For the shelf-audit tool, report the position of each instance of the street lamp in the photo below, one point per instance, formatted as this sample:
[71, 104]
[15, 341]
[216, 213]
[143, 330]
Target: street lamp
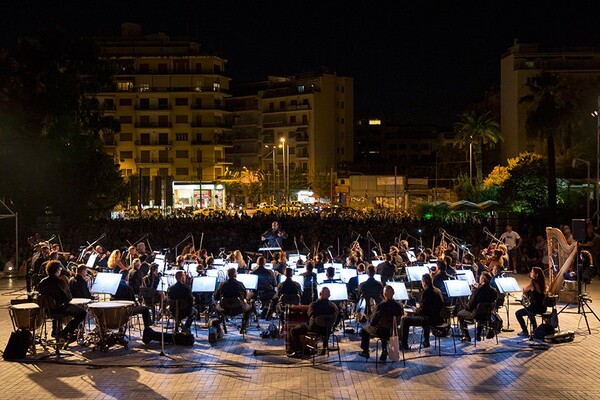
[574, 164]
[286, 168]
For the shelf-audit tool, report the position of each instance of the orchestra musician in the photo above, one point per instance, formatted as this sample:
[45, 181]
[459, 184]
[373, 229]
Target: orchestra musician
[274, 237]
[352, 285]
[79, 284]
[136, 276]
[484, 293]
[310, 283]
[535, 291]
[181, 301]
[439, 276]
[427, 314]
[370, 290]
[57, 289]
[319, 264]
[381, 323]
[357, 251]
[289, 287]
[125, 292]
[233, 293]
[115, 264]
[317, 308]
[386, 269]
[266, 288]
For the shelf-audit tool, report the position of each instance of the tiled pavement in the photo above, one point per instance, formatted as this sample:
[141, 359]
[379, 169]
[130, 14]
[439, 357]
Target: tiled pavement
[230, 369]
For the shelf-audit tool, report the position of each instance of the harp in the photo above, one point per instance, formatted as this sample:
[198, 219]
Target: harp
[562, 256]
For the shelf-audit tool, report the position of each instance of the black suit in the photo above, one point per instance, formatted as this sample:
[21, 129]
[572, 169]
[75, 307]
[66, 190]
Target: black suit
[125, 292]
[382, 323]
[483, 294]
[180, 297]
[426, 315]
[58, 290]
[79, 288]
[317, 308]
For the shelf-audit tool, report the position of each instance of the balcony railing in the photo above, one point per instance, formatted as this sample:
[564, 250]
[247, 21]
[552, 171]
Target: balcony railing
[153, 143]
[153, 124]
[151, 160]
[153, 107]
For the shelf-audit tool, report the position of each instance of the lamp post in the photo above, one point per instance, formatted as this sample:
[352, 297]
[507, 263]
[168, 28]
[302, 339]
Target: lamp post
[286, 168]
[575, 162]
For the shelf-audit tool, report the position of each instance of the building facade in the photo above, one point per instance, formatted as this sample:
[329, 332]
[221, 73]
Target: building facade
[524, 61]
[169, 98]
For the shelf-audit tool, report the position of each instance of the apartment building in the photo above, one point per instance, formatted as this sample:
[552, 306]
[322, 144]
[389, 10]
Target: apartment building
[169, 97]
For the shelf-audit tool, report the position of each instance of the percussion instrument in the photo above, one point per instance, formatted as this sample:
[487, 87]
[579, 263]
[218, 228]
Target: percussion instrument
[571, 286]
[110, 314]
[80, 301]
[26, 316]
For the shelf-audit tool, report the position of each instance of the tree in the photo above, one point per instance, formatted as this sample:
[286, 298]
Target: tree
[549, 116]
[477, 131]
[52, 159]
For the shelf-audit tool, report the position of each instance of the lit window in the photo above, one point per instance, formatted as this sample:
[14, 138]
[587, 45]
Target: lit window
[216, 86]
[124, 86]
[301, 89]
[144, 87]
[374, 122]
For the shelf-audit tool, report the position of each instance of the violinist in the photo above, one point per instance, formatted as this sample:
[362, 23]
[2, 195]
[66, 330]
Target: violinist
[452, 253]
[425, 255]
[319, 264]
[310, 284]
[439, 275]
[101, 258]
[535, 292]
[357, 251]
[115, 263]
[386, 269]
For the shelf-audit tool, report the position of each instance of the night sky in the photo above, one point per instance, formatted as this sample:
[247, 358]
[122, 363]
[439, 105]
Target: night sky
[422, 60]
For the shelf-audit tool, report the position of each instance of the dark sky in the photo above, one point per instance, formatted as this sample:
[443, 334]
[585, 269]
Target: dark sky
[423, 60]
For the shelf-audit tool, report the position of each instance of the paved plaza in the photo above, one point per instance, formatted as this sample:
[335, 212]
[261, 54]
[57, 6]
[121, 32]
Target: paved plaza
[256, 368]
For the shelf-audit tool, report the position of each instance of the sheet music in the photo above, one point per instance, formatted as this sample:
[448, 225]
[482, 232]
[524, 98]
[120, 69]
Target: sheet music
[414, 274]
[338, 291]
[106, 283]
[249, 280]
[204, 284]
[457, 288]
[400, 292]
[507, 285]
[362, 278]
[92, 260]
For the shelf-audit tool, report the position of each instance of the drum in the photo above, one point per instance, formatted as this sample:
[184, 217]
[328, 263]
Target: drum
[110, 314]
[296, 315]
[125, 302]
[570, 286]
[26, 316]
[80, 301]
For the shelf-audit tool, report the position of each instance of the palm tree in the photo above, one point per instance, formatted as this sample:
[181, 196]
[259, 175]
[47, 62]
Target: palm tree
[477, 130]
[550, 113]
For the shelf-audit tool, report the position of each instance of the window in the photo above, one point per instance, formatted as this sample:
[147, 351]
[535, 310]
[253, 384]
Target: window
[126, 136]
[292, 119]
[181, 171]
[163, 103]
[181, 154]
[126, 155]
[181, 66]
[163, 120]
[198, 103]
[181, 137]
[294, 102]
[144, 68]
[282, 105]
[126, 172]
[304, 119]
[144, 87]
[125, 102]
[124, 86]
[164, 172]
[144, 104]
[198, 68]
[181, 119]
[301, 89]
[162, 68]
[181, 101]
[271, 106]
[305, 102]
[125, 119]
[216, 86]
[217, 69]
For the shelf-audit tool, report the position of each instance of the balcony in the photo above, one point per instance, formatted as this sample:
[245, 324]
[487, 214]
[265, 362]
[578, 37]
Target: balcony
[301, 137]
[153, 107]
[201, 124]
[153, 143]
[152, 160]
[286, 108]
[202, 142]
[153, 124]
[205, 107]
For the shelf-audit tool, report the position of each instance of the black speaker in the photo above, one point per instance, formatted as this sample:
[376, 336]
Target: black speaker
[578, 229]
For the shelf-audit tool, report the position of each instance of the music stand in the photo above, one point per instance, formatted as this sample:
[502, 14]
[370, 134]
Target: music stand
[507, 285]
[457, 288]
[163, 285]
[339, 291]
[250, 281]
[204, 284]
[295, 278]
[376, 262]
[106, 283]
[414, 274]
[465, 275]
[347, 273]
[91, 261]
[400, 292]
[362, 278]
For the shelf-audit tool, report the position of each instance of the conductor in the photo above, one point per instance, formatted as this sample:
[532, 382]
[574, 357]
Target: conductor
[274, 236]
